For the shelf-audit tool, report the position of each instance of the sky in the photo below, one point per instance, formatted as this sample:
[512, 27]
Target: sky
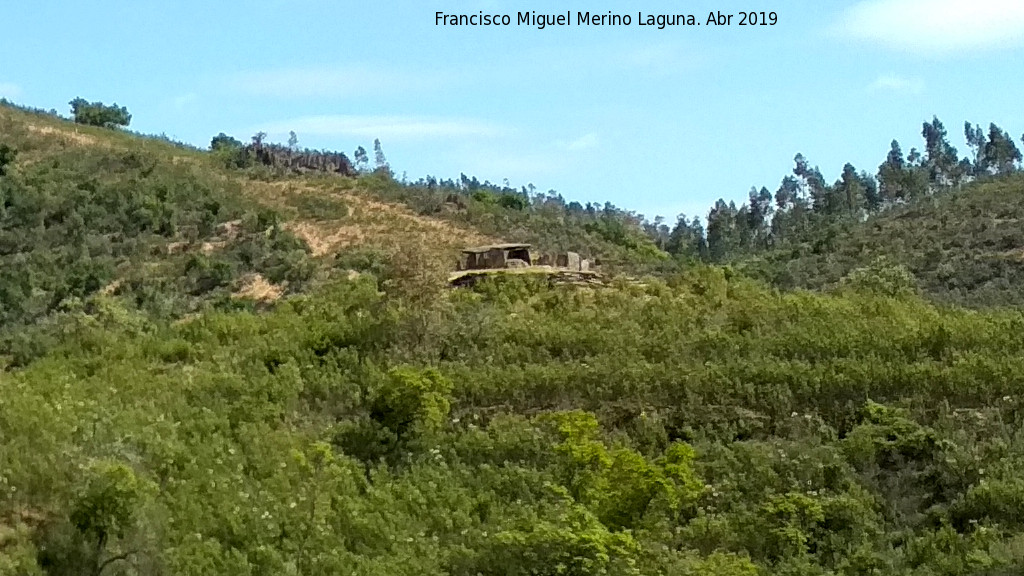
[658, 121]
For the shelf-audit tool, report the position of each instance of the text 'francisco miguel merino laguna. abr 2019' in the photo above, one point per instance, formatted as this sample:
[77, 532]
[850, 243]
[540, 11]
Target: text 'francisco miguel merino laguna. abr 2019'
[659, 21]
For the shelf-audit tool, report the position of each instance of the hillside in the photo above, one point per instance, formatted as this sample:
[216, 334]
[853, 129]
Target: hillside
[964, 247]
[215, 369]
[86, 210]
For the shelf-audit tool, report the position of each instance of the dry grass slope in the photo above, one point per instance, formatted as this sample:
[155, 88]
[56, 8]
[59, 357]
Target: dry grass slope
[367, 221]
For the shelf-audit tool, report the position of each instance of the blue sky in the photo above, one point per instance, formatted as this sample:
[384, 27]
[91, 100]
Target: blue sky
[657, 121]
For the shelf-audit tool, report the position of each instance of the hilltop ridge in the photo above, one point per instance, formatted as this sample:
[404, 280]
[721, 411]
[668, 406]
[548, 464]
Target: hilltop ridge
[960, 242]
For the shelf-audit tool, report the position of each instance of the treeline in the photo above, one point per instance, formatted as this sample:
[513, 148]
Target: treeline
[805, 207]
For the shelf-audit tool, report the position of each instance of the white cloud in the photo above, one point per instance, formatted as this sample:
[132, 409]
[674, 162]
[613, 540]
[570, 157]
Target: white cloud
[897, 84]
[9, 90]
[328, 82]
[388, 128]
[936, 26]
[585, 142]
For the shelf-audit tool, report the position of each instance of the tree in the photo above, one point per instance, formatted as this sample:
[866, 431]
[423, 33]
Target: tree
[823, 200]
[512, 200]
[850, 189]
[722, 234]
[788, 193]
[378, 156]
[976, 141]
[361, 158]
[744, 232]
[224, 142]
[914, 158]
[941, 159]
[230, 151]
[891, 181]
[791, 212]
[293, 140]
[760, 209]
[687, 239]
[104, 512]
[872, 197]
[1000, 154]
[98, 114]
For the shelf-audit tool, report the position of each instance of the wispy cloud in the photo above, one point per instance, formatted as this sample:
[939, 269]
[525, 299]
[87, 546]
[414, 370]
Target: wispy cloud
[585, 142]
[9, 90]
[512, 164]
[391, 128]
[343, 81]
[936, 26]
[897, 84]
[186, 100]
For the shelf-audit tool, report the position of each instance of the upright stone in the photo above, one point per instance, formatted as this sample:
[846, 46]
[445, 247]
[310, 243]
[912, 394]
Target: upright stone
[495, 258]
[572, 261]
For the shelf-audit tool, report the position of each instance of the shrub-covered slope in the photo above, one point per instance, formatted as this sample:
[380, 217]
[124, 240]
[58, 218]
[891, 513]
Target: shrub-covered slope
[84, 210]
[965, 247]
[169, 230]
[152, 421]
[705, 426]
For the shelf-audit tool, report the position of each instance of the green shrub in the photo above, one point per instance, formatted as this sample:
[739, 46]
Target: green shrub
[99, 114]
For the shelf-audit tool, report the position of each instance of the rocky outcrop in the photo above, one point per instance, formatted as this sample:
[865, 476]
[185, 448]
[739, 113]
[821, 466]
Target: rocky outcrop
[279, 156]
